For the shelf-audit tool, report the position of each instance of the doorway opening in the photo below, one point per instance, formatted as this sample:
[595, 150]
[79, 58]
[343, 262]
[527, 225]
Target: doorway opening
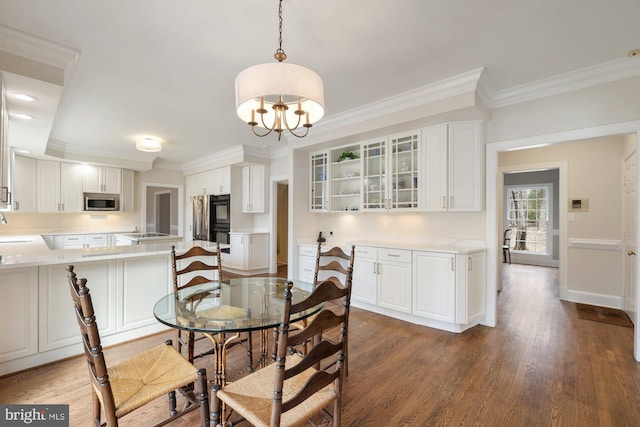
[162, 208]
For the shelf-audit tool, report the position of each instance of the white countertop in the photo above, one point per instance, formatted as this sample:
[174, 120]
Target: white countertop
[31, 250]
[454, 247]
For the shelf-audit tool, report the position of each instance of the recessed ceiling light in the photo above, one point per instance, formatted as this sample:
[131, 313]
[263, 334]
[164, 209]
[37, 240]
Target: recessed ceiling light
[24, 116]
[25, 97]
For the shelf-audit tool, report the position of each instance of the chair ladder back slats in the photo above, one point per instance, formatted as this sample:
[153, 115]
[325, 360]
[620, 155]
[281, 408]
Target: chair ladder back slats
[335, 252]
[334, 266]
[318, 353]
[326, 319]
[326, 290]
[317, 382]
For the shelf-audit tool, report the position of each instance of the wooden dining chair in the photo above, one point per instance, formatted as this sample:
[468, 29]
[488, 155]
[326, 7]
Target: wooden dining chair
[297, 386]
[129, 385]
[194, 267]
[329, 267]
[506, 246]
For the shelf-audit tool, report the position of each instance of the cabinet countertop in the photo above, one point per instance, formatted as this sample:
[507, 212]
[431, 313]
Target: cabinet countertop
[429, 246]
[31, 250]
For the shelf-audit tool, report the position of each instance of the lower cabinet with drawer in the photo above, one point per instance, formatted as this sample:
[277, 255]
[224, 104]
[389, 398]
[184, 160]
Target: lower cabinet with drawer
[440, 289]
[382, 276]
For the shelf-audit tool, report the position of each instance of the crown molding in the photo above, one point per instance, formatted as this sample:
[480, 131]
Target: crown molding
[447, 88]
[38, 49]
[220, 159]
[574, 80]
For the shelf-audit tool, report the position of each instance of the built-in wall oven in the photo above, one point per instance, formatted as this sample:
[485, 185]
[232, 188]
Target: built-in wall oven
[220, 218]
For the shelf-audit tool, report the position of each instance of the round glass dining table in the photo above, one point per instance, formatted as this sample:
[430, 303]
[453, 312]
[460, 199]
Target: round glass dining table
[223, 309]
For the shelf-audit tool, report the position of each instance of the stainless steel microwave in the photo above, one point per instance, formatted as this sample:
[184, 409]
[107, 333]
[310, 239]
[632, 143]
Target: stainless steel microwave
[100, 203]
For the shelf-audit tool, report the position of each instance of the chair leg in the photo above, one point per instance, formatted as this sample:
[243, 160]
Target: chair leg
[203, 397]
[172, 403]
[250, 351]
[215, 405]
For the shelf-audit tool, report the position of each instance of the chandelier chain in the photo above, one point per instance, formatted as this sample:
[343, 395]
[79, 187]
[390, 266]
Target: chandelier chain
[280, 55]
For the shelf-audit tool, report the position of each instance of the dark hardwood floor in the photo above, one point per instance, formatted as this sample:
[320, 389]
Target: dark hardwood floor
[541, 366]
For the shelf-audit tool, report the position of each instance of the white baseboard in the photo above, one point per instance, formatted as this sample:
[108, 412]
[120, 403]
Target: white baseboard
[601, 300]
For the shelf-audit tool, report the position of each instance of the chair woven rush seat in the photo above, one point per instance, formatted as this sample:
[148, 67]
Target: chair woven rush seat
[256, 393]
[147, 376]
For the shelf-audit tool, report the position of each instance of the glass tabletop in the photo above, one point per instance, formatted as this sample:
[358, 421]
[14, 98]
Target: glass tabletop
[233, 305]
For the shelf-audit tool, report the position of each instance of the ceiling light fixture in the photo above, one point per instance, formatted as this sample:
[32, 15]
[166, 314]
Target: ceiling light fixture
[148, 145]
[278, 96]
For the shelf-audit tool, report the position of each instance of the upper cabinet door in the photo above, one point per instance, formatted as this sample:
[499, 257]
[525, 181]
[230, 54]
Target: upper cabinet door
[453, 172]
[435, 168]
[319, 198]
[71, 187]
[466, 171]
[404, 165]
[374, 174]
[253, 189]
[99, 179]
[24, 184]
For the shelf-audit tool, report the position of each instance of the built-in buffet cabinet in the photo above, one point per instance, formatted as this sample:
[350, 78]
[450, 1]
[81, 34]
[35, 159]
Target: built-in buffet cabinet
[52, 186]
[440, 286]
[438, 168]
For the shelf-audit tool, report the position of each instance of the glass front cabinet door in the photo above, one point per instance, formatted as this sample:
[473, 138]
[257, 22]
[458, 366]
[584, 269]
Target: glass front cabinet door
[404, 165]
[319, 199]
[374, 175]
[390, 173]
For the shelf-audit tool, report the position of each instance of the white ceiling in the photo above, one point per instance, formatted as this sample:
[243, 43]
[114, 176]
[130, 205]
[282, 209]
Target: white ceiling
[166, 68]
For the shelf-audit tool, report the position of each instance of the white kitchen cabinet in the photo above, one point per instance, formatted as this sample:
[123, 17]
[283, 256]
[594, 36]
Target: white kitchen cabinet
[59, 186]
[449, 287]
[453, 167]
[391, 168]
[102, 179]
[253, 189]
[365, 277]
[128, 194]
[394, 279]
[434, 293]
[249, 251]
[96, 240]
[215, 181]
[307, 262]
[69, 241]
[81, 241]
[19, 308]
[143, 281]
[319, 191]
[382, 276]
[58, 326]
[24, 184]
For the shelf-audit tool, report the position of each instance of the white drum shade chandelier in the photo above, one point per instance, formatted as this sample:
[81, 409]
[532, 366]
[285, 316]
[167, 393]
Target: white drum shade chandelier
[278, 96]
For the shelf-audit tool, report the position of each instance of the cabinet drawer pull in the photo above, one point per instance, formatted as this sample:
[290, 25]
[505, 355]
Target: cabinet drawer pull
[394, 255]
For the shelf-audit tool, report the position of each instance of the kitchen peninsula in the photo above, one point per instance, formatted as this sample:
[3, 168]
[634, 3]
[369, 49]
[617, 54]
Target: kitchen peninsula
[37, 323]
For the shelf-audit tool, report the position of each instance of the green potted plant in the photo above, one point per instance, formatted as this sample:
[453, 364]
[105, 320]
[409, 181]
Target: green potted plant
[346, 155]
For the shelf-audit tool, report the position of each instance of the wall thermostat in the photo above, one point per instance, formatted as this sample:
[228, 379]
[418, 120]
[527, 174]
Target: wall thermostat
[578, 205]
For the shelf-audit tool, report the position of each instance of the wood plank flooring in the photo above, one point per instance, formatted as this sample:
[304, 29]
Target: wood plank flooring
[541, 366]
